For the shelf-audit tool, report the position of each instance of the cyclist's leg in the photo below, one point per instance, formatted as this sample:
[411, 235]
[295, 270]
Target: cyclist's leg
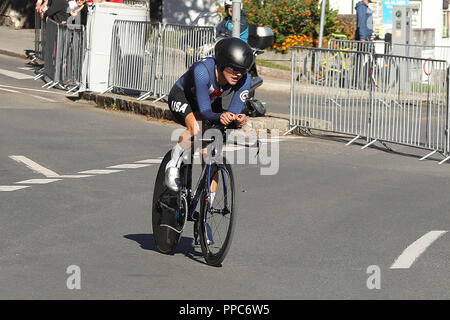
[183, 113]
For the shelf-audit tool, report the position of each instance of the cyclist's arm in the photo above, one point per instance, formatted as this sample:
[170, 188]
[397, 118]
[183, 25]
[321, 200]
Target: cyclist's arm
[240, 95]
[201, 80]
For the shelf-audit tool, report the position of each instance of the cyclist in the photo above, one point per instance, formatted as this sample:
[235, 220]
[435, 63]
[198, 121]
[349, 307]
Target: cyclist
[226, 25]
[194, 96]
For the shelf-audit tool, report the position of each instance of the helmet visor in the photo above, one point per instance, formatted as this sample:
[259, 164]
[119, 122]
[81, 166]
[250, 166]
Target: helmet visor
[235, 70]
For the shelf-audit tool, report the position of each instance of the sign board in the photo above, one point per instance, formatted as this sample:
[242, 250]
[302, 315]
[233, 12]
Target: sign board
[387, 12]
[427, 65]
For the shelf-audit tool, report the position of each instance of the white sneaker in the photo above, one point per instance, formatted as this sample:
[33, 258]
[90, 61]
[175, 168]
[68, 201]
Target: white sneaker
[172, 178]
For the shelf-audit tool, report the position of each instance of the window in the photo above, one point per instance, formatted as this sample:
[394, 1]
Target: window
[445, 27]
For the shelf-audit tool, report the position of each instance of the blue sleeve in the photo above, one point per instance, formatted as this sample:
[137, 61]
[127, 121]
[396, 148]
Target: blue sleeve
[362, 23]
[239, 97]
[201, 80]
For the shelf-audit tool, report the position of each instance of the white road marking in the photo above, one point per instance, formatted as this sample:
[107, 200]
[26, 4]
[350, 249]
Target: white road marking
[26, 68]
[150, 161]
[16, 75]
[35, 166]
[75, 176]
[43, 98]
[56, 177]
[414, 250]
[39, 181]
[129, 166]
[9, 90]
[29, 89]
[12, 188]
[99, 171]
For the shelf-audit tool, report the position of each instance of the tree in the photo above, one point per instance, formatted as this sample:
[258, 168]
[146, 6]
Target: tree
[293, 21]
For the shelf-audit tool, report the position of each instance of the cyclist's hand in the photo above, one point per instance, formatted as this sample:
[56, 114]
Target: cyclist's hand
[226, 118]
[241, 120]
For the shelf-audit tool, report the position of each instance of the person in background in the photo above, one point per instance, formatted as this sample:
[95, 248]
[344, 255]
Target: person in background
[226, 26]
[38, 5]
[364, 21]
[56, 10]
[42, 5]
[78, 12]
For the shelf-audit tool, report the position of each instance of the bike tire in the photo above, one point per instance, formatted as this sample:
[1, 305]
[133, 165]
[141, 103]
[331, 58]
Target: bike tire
[220, 217]
[166, 239]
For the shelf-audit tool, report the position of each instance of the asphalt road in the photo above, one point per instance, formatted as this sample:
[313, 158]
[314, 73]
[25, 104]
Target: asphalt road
[334, 222]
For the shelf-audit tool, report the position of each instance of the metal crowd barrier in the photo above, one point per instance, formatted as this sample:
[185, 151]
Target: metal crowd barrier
[353, 45]
[63, 54]
[130, 60]
[53, 52]
[180, 47]
[328, 91]
[39, 36]
[421, 51]
[149, 58]
[411, 109]
[381, 47]
[73, 56]
[372, 96]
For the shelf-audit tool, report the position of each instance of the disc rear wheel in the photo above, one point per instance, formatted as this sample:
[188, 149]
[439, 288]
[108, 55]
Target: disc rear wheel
[168, 213]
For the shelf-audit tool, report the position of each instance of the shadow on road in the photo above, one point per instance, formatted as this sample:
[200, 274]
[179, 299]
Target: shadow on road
[185, 246]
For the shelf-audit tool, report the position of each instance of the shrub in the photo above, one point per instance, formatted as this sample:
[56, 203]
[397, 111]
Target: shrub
[294, 22]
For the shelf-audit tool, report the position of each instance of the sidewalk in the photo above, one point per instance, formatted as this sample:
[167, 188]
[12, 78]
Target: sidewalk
[18, 43]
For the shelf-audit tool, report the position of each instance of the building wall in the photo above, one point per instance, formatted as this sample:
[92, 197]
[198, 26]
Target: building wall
[344, 6]
[430, 16]
[188, 12]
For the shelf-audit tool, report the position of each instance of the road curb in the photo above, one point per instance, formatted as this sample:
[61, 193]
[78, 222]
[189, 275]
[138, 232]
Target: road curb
[12, 54]
[160, 110]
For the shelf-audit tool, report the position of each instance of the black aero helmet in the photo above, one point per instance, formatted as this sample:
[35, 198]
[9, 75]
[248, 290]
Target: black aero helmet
[235, 53]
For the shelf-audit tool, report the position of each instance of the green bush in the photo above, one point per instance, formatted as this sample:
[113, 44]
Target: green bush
[293, 18]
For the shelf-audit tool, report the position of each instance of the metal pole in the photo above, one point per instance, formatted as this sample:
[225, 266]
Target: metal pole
[322, 22]
[236, 19]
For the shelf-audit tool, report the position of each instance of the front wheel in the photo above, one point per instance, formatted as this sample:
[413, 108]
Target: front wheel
[217, 217]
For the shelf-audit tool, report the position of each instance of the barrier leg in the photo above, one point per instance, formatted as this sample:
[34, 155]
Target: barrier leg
[107, 90]
[54, 84]
[160, 98]
[290, 130]
[353, 140]
[144, 96]
[48, 84]
[369, 144]
[72, 89]
[444, 160]
[428, 155]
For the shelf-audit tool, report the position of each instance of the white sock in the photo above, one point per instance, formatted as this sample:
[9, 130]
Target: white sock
[212, 195]
[177, 151]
